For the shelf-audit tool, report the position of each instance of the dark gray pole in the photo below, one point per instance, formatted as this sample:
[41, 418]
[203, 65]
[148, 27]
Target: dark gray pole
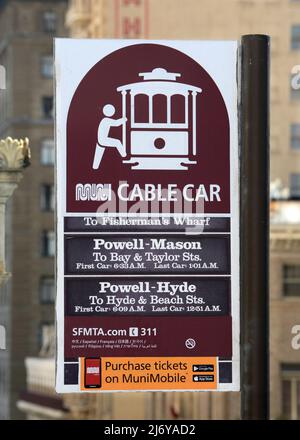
[254, 154]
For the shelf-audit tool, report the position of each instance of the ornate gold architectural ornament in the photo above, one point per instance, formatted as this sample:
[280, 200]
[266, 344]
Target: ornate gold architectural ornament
[14, 153]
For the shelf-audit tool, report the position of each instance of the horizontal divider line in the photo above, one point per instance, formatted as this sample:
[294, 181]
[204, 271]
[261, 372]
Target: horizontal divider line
[146, 233]
[126, 275]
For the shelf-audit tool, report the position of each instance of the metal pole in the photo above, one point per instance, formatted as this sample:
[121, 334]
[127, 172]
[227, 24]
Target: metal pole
[254, 137]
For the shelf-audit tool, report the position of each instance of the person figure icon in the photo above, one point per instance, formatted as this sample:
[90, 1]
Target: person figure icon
[103, 135]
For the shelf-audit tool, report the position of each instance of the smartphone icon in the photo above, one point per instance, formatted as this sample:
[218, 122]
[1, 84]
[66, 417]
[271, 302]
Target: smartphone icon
[92, 373]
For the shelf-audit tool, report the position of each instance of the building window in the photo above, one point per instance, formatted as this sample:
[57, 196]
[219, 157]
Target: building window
[291, 280]
[47, 104]
[47, 152]
[49, 21]
[48, 244]
[290, 391]
[295, 37]
[47, 66]
[47, 290]
[295, 136]
[47, 197]
[295, 186]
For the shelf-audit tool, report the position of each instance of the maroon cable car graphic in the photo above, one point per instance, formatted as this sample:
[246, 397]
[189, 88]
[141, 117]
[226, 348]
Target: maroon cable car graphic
[159, 133]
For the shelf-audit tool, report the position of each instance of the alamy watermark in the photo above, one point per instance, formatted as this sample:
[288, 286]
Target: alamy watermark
[2, 78]
[153, 205]
[295, 80]
[2, 87]
[2, 338]
[295, 342]
[295, 330]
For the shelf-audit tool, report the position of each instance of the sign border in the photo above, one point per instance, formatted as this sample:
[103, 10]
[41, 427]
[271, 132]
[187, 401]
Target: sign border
[215, 69]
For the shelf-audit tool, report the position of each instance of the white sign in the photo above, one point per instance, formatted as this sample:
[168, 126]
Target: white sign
[147, 215]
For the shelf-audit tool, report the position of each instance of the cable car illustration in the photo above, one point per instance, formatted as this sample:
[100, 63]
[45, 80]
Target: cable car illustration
[159, 130]
[159, 133]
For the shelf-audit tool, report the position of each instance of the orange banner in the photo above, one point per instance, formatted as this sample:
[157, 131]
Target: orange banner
[146, 373]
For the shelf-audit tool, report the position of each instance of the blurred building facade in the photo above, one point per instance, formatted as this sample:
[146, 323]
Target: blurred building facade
[26, 109]
[211, 19]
